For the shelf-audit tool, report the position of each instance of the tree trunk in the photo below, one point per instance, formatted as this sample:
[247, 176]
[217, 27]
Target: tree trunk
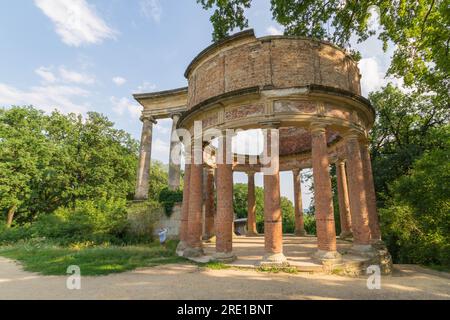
[11, 212]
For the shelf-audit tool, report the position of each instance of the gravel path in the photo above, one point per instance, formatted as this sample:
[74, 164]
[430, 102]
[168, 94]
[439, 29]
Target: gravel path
[183, 281]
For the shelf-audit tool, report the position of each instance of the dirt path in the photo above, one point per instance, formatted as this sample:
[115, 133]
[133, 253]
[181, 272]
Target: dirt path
[190, 282]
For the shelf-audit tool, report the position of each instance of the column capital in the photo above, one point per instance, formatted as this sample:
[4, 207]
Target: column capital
[146, 117]
[352, 134]
[175, 115]
[318, 127]
[250, 173]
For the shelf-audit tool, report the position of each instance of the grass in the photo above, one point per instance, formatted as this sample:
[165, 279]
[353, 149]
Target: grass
[214, 265]
[275, 269]
[50, 259]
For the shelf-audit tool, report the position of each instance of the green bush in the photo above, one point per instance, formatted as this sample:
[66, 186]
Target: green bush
[142, 217]
[14, 234]
[93, 221]
[168, 198]
[309, 221]
[416, 220]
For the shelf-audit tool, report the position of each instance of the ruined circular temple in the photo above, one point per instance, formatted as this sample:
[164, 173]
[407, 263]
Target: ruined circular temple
[305, 96]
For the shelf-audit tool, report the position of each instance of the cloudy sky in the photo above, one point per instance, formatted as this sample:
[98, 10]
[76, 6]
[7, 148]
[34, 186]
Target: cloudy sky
[86, 55]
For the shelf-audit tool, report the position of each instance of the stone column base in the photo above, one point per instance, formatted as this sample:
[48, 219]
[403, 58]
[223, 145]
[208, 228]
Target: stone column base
[365, 250]
[224, 257]
[377, 242]
[328, 256]
[345, 235]
[251, 234]
[300, 233]
[274, 259]
[190, 252]
[180, 248]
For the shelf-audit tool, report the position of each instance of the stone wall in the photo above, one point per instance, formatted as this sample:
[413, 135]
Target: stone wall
[172, 223]
[145, 220]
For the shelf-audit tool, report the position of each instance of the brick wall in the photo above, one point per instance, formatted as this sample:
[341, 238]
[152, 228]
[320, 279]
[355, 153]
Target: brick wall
[279, 62]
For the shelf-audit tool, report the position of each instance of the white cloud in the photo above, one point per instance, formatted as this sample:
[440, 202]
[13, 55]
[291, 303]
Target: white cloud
[151, 9]
[274, 31]
[160, 150]
[371, 77]
[145, 88]
[75, 21]
[164, 126]
[124, 106]
[119, 80]
[46, 74]
[46, 98]
[75, 77]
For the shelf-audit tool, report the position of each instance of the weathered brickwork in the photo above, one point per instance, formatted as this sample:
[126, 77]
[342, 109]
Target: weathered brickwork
[280, 62]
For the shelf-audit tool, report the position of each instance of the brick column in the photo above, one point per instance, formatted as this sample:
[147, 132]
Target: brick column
[209, 204]
[174, 164]
[374, 224]
[183, 232]
[225, 214]
[273, 228]
[344, 202]
[145, 153]
[357, 194]
[251, 205]
[195, 226]
[323, 198]
[299, 224]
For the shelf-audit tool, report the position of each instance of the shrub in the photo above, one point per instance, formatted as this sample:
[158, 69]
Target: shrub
[97, 221]
[168, 198]
[416, 220]
[14, 234]
[142, 217]
[309, 221]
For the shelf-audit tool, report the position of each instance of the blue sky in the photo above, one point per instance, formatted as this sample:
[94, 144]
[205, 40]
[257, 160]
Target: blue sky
[86, 55]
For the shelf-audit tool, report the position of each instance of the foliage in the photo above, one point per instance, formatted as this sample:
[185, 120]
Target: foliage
[159, 175]
[228, 15]
[50, 259]
[405, 127]
[24, 155]
[53, 161]
[97, 221]
[309, 221]
[142, 217]
[168, 198]
[419, 30]
[416, 220]
[240, 207]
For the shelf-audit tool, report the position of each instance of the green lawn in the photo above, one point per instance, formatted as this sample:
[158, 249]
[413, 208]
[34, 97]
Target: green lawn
[98, 260]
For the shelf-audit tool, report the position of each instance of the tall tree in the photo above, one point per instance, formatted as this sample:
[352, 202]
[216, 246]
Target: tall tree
[24, 154]
[49, 161]
[404, 129]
